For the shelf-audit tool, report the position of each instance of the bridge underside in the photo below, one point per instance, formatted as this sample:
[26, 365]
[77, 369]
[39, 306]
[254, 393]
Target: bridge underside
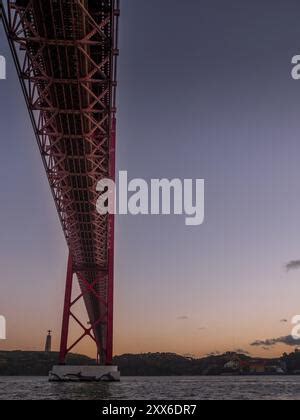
[65, 52]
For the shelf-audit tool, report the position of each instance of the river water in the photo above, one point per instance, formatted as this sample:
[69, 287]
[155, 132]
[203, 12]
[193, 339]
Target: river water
[168, 388]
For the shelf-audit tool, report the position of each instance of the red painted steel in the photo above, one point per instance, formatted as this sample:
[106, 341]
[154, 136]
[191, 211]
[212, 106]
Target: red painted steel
[66, 313]
[111, 251]
[65, 53]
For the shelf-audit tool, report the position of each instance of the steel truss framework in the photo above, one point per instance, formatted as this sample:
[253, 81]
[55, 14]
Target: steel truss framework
[65, 53]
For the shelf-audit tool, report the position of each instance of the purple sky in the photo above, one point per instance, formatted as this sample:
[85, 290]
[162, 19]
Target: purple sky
[204, 92]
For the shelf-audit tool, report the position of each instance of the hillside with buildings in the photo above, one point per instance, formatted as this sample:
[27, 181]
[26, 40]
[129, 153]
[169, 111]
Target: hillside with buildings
[19, 363]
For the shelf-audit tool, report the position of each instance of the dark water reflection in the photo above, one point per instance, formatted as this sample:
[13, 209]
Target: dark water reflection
[197, 388]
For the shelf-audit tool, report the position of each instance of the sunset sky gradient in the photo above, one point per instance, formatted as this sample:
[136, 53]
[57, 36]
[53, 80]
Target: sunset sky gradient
[205, 91]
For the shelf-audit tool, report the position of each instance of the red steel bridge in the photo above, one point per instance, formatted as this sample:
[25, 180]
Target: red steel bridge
[65, 52]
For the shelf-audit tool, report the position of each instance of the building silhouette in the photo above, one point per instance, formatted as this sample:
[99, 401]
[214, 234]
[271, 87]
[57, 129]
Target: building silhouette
[48, 342]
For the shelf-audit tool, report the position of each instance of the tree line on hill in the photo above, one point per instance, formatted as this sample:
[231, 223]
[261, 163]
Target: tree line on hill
[19, 363]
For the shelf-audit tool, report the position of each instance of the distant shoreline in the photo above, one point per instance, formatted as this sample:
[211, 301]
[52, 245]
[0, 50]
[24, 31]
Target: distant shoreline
[23, 363]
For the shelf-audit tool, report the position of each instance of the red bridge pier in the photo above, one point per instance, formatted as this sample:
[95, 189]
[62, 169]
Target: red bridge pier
[65, 53]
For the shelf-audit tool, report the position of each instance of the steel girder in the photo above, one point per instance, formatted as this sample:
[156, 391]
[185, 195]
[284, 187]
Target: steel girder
[65, 52]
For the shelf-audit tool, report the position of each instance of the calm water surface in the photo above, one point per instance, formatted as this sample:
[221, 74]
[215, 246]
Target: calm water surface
[197, 388]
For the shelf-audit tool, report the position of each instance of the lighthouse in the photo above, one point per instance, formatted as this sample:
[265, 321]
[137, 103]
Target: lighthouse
[48, 342]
